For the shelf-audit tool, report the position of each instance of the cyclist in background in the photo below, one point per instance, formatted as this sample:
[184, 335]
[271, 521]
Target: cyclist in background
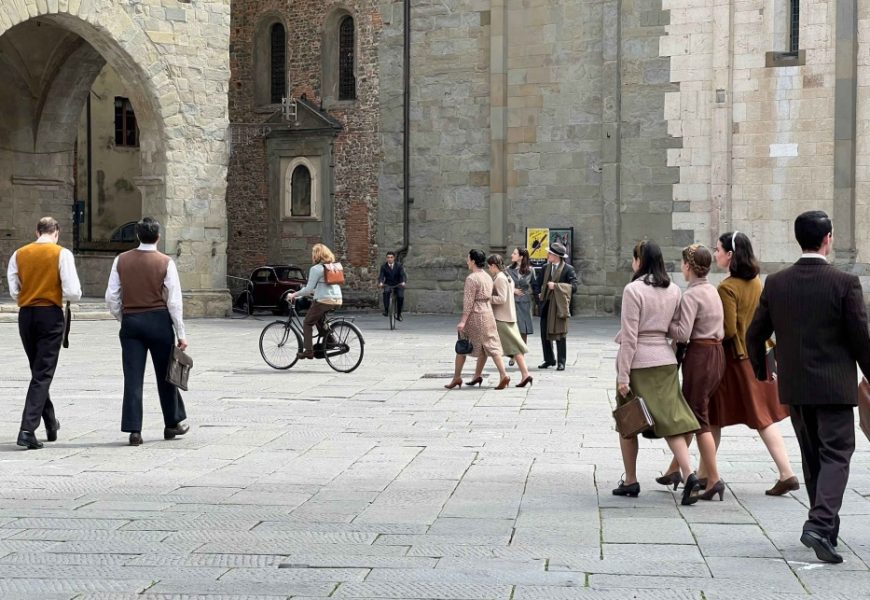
[393, 277]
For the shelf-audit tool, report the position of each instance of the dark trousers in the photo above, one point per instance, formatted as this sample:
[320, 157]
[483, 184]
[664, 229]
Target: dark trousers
[826, 434]
[314, 318]
[142, 333]
[561, 346]
[400, 299]
[41, 331]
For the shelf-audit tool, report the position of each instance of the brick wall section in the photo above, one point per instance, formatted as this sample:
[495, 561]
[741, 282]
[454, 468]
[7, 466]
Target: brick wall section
[357, 152]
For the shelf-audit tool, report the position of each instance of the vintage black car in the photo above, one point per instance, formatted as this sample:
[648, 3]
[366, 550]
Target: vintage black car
[267, 287]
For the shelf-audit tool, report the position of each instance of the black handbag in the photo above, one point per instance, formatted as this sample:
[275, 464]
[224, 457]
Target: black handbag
[463, 345]
[180, 365]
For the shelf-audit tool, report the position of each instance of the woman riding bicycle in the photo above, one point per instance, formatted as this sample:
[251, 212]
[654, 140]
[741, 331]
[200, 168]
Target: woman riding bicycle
[326, 297]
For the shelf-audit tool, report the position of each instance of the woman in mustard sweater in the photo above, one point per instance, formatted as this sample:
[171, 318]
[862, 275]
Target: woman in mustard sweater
[741, 398]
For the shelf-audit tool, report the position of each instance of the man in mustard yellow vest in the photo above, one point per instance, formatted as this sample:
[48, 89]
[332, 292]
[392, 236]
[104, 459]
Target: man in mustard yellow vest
[41, 275]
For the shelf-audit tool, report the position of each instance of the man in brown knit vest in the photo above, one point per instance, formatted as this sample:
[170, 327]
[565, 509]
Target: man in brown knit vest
[144, 293]
[40, 276]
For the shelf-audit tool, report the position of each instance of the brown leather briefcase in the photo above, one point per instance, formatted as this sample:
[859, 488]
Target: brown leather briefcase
[633, 417]
[180, 365]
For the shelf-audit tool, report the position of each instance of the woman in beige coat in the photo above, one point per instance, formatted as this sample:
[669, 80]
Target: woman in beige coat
[505, 312]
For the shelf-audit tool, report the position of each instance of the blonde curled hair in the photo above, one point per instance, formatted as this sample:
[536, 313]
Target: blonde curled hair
[699, 259]
[321, 254]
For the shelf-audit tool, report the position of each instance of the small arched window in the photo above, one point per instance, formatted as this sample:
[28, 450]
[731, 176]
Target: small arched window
[300, 192]
[346, 77]
[277, 63]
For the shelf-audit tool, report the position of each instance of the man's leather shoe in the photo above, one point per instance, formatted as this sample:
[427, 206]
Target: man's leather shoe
[546, 365]
[398, 317]
[821, 546]
[28, 440]
[169, 433]
[386, 314]
[51, 432]
[135, 439]
[561, 367]
[303, 354]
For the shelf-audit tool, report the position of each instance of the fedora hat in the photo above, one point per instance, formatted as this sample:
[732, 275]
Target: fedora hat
[558, 249]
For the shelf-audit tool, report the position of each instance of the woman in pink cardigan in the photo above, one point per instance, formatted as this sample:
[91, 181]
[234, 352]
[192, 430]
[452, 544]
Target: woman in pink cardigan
[647, 367]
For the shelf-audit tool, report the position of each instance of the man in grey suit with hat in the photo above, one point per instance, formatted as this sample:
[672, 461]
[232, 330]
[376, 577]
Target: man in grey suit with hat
[555, 285]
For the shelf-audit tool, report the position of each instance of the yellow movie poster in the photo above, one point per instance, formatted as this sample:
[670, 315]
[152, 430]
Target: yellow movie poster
[537, 242]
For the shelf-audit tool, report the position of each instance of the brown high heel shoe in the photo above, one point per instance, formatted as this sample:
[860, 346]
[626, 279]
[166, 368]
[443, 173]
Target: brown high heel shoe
[527, 380]
[476, 381]
[712, 491]
[670, 479]
[503, 383]
[453, 383]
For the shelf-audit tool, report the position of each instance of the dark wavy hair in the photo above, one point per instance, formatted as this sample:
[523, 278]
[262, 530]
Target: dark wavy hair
[477, 257]
[651, 269]
[743, 265]
[525, 265]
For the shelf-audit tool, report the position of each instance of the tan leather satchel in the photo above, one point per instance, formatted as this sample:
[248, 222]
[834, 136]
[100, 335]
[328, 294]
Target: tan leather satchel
[333, 273]
[633, 417]
[864, 406]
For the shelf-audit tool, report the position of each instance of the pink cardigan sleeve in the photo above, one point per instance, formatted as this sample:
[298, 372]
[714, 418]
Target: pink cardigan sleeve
[631, 304]
[684, 318]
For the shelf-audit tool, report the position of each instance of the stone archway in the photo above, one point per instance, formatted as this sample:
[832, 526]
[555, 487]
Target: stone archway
[177, 80]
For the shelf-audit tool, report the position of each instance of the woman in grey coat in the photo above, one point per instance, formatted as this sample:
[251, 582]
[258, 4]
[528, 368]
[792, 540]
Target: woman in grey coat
[521, 272]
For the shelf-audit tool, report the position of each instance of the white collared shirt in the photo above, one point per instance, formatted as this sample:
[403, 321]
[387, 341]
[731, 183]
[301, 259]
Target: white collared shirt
[814, 255]
[171, 293]
[69, 278]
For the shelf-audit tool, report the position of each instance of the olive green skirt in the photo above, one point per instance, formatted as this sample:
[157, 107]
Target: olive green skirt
[510, 338]
[660, 389]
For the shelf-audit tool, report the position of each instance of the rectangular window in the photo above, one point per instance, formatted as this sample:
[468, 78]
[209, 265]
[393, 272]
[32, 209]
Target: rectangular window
[126, 130]
[794, 23]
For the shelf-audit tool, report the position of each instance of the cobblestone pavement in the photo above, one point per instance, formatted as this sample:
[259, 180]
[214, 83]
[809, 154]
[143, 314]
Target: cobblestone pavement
[382, 484]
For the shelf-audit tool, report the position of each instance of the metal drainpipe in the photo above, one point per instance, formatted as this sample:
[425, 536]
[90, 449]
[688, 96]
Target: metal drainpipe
[406, 136]
[90, 169]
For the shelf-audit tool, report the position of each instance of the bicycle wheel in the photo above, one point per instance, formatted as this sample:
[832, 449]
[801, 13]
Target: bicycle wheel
[393, 310]
[345, 346]
[279, 344]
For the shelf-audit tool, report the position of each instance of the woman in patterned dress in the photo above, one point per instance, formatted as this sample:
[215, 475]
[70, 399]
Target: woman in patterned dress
[478, 322]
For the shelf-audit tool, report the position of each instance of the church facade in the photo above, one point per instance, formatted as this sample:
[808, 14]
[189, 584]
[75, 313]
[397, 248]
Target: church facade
[255, 128]
[674, 120]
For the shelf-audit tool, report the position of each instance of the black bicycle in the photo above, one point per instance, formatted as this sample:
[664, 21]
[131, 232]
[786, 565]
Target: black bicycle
[391, 308]
[341, 343]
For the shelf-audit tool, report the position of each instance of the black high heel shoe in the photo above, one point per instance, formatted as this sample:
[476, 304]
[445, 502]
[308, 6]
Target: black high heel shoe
[632, 490]
[528, 380]
[710, 492]
[670, 479]
[476, 381]
[689, 495]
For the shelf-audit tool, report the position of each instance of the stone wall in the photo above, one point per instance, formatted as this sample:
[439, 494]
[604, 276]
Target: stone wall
[758, 128]
[534, 114]
[355, 153]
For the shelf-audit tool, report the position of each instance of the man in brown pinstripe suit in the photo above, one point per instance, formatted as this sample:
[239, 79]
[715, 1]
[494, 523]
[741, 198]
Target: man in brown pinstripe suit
[817, 313]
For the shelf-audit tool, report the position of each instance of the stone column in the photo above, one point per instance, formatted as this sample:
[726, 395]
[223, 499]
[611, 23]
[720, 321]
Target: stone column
[722, 119]
[845, 103]
[611, 134]
[498, 127]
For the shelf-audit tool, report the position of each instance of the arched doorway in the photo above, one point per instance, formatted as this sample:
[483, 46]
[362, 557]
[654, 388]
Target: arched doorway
[49, 64]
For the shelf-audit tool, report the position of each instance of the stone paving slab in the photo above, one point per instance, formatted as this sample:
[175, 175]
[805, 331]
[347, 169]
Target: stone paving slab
[308, 484]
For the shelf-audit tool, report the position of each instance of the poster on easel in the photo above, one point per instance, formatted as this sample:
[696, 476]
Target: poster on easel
[539, 239]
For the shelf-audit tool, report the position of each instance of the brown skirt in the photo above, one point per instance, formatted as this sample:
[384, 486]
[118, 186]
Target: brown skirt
[743, 400]
[703, 369]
